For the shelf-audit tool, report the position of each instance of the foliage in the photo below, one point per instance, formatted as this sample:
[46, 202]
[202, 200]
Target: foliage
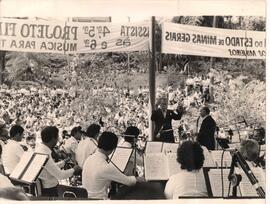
[240, 96]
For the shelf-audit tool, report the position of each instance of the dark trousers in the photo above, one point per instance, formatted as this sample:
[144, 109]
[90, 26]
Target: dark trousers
[167, 137]
[50, 192]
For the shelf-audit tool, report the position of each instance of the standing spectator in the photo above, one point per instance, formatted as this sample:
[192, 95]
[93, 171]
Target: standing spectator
[206, 127]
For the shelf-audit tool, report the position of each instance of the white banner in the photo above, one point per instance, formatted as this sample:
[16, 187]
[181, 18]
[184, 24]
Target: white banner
[213, 42]
[70, 37]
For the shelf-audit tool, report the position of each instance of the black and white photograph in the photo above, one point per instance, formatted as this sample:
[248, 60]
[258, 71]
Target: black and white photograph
[169, 106]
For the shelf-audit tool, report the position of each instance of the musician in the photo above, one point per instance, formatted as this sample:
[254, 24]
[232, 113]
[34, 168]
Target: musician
[206, 127]
[4, 180]
[130, 137]
[52, 172]
[162, 118]
[71, 144]
[87, 146]
[12, 193]
[189, 182]
[250, 149]
[13, 150]
[3, 135]
[98, 173]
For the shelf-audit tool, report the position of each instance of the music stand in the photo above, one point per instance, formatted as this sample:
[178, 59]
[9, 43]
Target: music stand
[28, 169]
[223, 142]
[120, 157]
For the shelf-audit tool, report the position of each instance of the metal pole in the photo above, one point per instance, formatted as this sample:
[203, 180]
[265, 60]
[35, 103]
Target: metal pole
[214, 25]
[152, 76]
[128, 60]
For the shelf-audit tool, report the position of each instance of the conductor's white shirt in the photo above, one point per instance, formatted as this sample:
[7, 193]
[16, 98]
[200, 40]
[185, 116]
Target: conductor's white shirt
[85, 148]
[97, 175]
[51, 173]
[11, 155]
[186, 184]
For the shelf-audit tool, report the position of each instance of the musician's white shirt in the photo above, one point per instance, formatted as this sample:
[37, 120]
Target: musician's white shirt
[51, 173]
[70, 146]
[85, 148]
[186, 183]
[5, 182]
[11, 155]
[97, 175]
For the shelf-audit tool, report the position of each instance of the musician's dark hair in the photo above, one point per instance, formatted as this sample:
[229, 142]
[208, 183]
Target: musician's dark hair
[48, 133]
[93, 130]
[16, 129]
[107, 141]
[250, 149]
[131, 133]
[190, 156]
[75, 129]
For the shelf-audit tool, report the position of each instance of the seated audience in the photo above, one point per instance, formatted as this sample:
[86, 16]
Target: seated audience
[189, 182]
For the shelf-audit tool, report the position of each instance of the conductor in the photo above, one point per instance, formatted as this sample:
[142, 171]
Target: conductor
[162, 118]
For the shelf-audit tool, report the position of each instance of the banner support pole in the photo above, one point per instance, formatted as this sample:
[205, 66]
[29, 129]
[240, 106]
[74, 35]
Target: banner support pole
[152, 77]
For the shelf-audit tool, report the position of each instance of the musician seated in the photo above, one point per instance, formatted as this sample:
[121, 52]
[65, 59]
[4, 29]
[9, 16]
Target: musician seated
[4, 180]
[250, 150]
[52, 172]
[98, 173]
[87, 146]
[189, 182]
[12, 193]
[130, 137]
[12, 151]
[71, 144]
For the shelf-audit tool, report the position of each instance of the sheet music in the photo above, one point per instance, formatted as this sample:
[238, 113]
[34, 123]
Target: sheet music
[21, 165]
[234, 145]
[245, 186]
[173, 165]
[155, 167]
[34, 168]
[227, 158]
[170, 147]
[208, 160]
[121, 157]
[153, 147]
[216, 184]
